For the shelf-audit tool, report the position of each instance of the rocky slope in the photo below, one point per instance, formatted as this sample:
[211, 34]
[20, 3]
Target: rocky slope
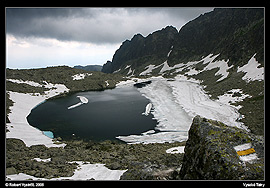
[212, 152]
[68, 76]
[143, 161]
[235, 33]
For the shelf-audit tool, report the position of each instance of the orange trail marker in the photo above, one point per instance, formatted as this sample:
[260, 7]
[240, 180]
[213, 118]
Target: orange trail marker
[246, 152]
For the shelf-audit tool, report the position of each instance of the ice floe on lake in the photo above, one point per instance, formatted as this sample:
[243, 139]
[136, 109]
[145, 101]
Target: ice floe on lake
[75, 105]
[83, 99]
[147, 109]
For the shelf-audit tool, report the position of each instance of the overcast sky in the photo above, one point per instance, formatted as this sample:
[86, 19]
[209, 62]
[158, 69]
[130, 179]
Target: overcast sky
[41, 37]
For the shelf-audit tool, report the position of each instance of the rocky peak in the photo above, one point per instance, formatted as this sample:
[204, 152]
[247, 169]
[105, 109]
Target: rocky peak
[141, 50]
[137, 37]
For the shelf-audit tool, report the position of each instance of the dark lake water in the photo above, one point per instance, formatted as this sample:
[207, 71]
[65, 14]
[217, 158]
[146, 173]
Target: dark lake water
[107, 114]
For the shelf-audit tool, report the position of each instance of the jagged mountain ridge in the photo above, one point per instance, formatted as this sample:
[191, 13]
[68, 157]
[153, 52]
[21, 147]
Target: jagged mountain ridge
[234, 33]
[140, 51]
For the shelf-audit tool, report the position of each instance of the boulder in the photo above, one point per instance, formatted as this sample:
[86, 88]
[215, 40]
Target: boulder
[217, 151]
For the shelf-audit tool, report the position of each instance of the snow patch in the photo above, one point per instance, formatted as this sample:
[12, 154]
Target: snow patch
[190, 65]
[149, 69]
[125, 83]
[117, 71]
[228, 98]
[221, 64]
[169, 53]
[252, 71]
[129, 71]
[42, 160]
[84, 171]
[80, 76]
[165, 67]
[128, 66]
[223, 67]
[97, 171]
[174, 150]
[31, 83]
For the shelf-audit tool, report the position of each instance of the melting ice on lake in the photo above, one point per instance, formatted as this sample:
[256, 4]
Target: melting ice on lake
[49, 134]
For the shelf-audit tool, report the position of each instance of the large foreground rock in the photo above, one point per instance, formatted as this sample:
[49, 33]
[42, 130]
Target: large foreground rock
[211, 152]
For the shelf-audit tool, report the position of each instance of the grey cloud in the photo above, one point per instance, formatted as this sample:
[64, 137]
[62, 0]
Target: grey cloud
[185, 13]
[95, 25]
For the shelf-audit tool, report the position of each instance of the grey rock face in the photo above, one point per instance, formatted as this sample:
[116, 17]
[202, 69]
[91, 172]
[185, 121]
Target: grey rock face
[210, 152]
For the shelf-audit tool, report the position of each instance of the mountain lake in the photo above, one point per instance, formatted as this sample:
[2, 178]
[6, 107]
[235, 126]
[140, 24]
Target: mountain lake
[106, 115]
